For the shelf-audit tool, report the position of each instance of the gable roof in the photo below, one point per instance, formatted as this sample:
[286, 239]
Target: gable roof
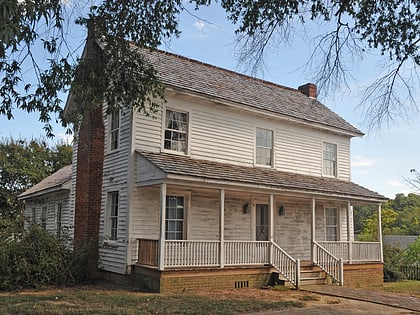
[54, 182]
[204, 170]
[227, 86]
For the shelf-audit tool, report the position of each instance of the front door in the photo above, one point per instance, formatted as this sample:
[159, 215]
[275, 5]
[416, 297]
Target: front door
[261, 222]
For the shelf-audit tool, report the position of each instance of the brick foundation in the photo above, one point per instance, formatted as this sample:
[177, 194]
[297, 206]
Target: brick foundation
[180, 281]
[363, 275]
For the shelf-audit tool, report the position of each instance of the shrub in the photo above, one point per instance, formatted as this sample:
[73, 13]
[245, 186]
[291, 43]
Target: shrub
[392, 263]
[37, 258]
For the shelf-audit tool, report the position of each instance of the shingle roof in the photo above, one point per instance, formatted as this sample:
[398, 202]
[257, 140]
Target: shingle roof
[197, 77]
[270, 178]
[400, 241]
[53, 181]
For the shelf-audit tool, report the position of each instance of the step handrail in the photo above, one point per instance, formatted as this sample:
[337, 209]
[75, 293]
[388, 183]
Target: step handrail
[332, 265]
[288, 266]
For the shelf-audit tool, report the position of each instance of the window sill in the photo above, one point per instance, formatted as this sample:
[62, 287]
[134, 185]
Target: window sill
[110, 243]
[112, 152]
[174, 152]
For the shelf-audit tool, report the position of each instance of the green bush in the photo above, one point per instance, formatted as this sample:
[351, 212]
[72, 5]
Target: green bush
[37, 258]
[392, 263]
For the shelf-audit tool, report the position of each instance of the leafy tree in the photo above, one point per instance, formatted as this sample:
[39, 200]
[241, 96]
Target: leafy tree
[121, 75]
[412, 253]
[23, 164]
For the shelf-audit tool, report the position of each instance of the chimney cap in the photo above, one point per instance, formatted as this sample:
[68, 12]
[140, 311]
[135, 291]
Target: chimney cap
[309, 89]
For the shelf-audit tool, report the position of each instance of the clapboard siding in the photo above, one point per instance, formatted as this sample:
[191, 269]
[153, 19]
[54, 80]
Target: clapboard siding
[223, 134]
[148, 131]
[115, 179]
[298, 150]
[237, 224]
[145, 216]
[51, 200]
[203, 217]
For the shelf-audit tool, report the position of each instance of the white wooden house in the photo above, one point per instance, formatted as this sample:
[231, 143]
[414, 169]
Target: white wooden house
[234, 179]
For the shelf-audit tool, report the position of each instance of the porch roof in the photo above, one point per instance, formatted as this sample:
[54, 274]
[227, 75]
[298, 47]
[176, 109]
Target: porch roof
[187, 168]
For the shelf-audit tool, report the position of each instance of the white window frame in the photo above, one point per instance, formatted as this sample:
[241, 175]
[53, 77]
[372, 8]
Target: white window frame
[185, 132]
[261, 147]
[114, 130]
[336, 225]
[44, 216]
[59, 218]
[333, 163]
[111, 228]
[184, 218]
[33, 215]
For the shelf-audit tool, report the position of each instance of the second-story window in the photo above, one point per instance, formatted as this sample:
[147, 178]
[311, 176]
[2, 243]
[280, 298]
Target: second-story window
[264, 147]
[44, 212]
[176, 131]
[114, 130]
[330, 159]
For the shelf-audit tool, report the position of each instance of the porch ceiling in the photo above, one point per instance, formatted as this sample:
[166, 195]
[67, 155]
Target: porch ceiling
[187, 168]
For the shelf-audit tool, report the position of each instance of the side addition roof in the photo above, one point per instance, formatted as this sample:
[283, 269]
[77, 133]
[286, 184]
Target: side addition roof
[224, 85]
[54, 182]
[183, 167]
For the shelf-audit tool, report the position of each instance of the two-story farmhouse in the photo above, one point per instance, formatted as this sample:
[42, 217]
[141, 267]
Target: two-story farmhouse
[234, 180]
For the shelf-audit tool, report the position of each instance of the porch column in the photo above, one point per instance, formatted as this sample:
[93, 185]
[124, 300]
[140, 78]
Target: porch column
[349, 224]
[381, 254]
[271, 226]
[162, 226]
[312, 229]
[222, 229]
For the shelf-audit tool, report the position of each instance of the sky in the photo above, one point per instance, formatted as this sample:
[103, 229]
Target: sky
[381, 160]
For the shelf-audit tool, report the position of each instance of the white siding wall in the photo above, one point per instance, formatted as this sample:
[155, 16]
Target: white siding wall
[222, 134]
[50, 201]
[112, 257]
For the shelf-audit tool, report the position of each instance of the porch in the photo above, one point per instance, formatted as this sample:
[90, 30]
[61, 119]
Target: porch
[186, 219]
[187, 254]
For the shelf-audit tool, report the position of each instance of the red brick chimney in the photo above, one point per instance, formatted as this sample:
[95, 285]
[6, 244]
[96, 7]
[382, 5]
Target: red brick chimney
[90, 158]
[89, 174]
[309, 89]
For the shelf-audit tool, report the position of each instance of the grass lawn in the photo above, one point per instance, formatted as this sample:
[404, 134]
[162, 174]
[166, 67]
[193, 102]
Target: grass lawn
[409, 287]
[99, 301]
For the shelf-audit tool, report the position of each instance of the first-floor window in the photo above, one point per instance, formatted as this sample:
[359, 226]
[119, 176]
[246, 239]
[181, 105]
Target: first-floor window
[58, 218]
[174, 223]
[44, 217]
[331, 224]
[113, 215]
[33, 218]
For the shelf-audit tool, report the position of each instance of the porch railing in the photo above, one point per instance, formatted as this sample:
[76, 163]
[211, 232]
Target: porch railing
[186, 253]
[286, 265]
[246, 252]
[332, 265]
[191, 253]
[354, 251]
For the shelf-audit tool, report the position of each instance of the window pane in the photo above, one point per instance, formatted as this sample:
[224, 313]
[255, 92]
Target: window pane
[174, 223]
[330, 159]
[264, 146]
[176, 128]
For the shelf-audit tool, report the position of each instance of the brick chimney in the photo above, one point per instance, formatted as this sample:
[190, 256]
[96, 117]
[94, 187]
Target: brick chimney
[309, 89]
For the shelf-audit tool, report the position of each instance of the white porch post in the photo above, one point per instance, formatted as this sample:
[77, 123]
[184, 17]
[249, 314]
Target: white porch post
[222, 229]
[349, 235]
[271, 225]
[162, 226]
[312, 229]
[381, 253]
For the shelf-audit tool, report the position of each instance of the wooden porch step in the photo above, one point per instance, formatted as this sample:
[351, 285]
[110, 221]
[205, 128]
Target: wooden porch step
[311, 274]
